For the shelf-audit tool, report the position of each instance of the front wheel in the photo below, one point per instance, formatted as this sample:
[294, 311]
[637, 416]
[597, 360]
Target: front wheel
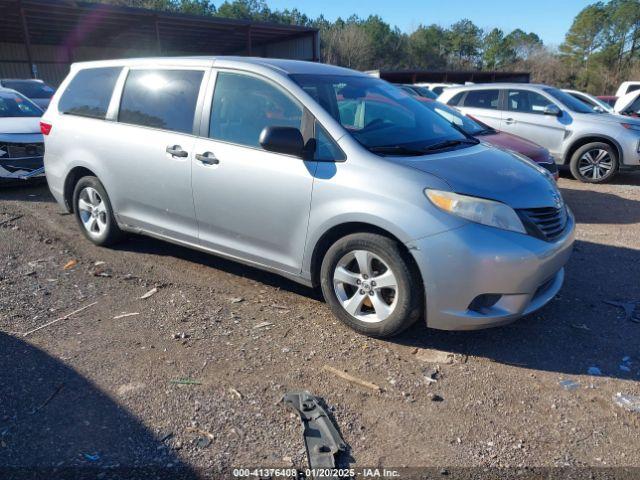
[595, 162]
[371, 285]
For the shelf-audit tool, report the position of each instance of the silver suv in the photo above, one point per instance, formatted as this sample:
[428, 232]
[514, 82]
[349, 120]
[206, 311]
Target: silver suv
[594, 145]
[324, 175]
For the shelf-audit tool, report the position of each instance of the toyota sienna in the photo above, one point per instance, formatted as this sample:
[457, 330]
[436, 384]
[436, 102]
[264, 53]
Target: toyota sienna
[324, 175]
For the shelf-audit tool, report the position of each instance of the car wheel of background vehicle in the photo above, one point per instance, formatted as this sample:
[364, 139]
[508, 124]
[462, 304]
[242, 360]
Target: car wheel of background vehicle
[594, 163]
[93, 211]
[371, 284]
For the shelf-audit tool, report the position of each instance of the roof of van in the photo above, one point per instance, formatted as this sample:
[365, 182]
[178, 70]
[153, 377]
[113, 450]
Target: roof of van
[276, 64]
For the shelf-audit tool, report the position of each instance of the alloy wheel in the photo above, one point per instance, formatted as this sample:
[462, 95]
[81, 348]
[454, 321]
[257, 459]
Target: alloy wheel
[366, 286]
[93, 211]
[595, 164]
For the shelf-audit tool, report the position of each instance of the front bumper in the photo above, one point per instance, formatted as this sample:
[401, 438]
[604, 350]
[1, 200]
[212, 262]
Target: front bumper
[460, 265]
[21, 168]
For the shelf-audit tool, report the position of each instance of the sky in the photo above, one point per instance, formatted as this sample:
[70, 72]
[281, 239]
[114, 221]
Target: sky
[550, 19]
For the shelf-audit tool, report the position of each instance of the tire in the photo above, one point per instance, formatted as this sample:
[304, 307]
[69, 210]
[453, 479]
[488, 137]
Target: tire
[600, 156]
[94, 214]
[379, 311]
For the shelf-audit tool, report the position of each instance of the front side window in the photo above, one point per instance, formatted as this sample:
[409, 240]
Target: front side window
[15, 105]
[244, 105]
[487, 99]
[568, 101]
[164, 99]
[326, 148]
[89, 92]
[380, 116]
[526, 101]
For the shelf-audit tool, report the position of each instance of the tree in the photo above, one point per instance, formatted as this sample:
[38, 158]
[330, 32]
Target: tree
[586, 34]
[465, 40]
[428, 47]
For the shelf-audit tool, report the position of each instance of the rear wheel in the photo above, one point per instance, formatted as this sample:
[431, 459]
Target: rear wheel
[595, 162]
[94, 213]
[371, 285]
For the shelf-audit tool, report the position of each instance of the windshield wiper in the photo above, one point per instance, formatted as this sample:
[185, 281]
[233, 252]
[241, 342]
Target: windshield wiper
[395, 150]
[450, 144]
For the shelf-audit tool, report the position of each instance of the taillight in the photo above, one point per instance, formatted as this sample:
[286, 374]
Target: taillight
[45, 128]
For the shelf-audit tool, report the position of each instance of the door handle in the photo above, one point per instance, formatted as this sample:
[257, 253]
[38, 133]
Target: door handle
[207, 158]
[509, 121]
[177, 151]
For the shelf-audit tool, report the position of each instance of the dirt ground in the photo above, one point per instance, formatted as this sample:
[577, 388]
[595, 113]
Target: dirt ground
[191, 379]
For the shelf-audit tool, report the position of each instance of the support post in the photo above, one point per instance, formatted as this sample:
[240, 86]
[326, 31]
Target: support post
[249, 42]
[27, 40]
[156, 25]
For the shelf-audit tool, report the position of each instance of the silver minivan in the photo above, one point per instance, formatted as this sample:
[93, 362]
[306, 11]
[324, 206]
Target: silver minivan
[321, 174]
[594, 145]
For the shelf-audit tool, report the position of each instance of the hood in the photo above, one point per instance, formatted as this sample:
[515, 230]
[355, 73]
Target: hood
[19, 125]
[486, 172]
[625, 101]
[507, 141]
[605, 117]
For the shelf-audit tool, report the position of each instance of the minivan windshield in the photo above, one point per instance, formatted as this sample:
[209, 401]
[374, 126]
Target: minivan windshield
[569, 101]
[469, 125]
[383, 118]
[15, 105]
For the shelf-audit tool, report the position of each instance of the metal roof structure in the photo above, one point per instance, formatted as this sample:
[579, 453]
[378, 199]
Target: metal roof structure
[450, 76]
[68, 25]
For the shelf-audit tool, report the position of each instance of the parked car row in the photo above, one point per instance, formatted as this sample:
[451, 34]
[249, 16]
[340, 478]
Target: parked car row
[595, 146]
[386, 201]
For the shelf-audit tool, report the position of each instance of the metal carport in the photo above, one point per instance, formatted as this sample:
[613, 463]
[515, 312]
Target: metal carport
[41, 38]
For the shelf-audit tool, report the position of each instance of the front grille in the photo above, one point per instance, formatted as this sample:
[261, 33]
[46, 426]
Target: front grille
[544, 223]
[21, 150]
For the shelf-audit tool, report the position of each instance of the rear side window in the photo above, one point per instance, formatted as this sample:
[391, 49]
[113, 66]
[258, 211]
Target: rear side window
[89, 92]
[482, 99]
[243, 105]
[163, 99]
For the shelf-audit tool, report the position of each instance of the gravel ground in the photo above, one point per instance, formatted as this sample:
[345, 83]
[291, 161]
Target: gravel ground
[191, 378]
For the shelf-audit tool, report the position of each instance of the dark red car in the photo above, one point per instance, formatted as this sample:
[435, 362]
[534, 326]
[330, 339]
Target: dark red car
[609, 99]
[485, 133]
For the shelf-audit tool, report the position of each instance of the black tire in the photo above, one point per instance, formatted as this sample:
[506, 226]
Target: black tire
[111, 233]
[577, 158]
[409, 304]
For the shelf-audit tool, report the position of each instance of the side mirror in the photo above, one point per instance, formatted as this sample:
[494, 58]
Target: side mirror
[553, 110]
[287, 140]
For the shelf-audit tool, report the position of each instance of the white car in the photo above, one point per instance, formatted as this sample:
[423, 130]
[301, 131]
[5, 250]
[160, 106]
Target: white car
[594, 102]
[21, 141]
[627, 87]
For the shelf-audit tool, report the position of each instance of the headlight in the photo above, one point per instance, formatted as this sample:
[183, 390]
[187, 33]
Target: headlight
[631, 126]
[479, 210]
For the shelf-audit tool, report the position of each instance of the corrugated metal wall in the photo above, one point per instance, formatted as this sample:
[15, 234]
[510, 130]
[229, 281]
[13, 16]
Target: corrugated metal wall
[52, 63]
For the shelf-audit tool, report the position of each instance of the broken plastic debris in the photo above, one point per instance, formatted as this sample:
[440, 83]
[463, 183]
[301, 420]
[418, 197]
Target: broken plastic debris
[569, 384]
[91, 457]
[628, 402]
[594, 371]
[151, 292]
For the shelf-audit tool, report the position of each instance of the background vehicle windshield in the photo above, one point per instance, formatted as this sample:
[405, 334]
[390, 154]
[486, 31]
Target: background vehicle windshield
[378, 114]
[469, 125]
[29, 88]
[15, 105]
[569, 101]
